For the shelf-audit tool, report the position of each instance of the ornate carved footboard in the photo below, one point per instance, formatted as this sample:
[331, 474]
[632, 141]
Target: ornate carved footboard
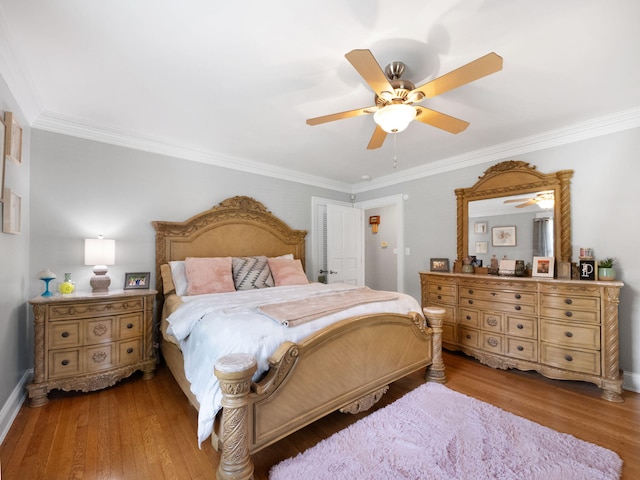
[346, 367]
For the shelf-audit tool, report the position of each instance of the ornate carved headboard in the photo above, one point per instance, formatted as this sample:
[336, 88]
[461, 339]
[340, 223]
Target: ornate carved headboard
[237, 227]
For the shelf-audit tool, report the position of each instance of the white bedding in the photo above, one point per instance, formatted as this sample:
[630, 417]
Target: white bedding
[210, 326]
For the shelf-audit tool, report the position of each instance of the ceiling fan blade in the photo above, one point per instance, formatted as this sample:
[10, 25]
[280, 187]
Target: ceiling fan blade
[377, 139]
[515, 200]
[340, 116]
[526, 204]
[479, 68]
[366, 65]
[440, 120]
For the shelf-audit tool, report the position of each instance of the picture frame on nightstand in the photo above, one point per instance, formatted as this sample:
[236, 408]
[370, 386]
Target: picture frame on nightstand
[136, 280]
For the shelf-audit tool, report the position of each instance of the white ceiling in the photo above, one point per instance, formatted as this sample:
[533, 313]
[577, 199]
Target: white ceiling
[232, 83]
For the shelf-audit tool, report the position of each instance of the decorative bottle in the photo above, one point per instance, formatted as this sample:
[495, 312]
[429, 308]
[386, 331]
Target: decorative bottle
[67, 287]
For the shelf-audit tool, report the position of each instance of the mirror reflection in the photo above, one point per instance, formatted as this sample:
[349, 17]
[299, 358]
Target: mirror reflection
[518, 226]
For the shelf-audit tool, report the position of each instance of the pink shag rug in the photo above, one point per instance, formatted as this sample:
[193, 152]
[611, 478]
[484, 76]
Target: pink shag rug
[434, 432]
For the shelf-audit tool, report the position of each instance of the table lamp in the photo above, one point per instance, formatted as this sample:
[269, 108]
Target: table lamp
[99, 252]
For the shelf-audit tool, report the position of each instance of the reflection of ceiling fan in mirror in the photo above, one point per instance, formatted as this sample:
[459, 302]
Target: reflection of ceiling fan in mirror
[544, 200]
[394, 105]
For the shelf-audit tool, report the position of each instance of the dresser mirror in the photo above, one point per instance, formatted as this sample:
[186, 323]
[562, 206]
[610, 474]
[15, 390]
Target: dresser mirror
[511, 197]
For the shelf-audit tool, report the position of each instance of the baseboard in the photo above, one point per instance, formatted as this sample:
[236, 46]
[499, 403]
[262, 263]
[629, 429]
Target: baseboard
[12, 406]
[631, 382]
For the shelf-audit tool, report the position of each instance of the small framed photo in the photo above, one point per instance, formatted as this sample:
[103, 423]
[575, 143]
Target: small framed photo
[136, 280]
[11, 212]
[543, 266]
[439, 264]
[480, 227]
[482, 247]
[503, 236]
[12, 139]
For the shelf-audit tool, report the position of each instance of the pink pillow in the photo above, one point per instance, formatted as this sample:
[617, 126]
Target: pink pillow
[287, 272]
[209, 275]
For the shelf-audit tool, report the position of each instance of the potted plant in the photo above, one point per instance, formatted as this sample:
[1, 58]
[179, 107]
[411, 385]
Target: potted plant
[606, 270]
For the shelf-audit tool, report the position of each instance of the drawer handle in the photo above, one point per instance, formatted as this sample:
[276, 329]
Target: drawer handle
[568, 314]
[518, 296]
[492, 341]
[65, 362]
[439, 297]
[129, 325]
[492, 321]
[468, 317]
[520, 348]
[65, 334]
[519, 326]
[470, 292]
[470, 302]
[468, 336]
[568, 334]
[568, 358]
[568, 301]
[439, 287]
[518, 307]
[129, 350]
[493, 294]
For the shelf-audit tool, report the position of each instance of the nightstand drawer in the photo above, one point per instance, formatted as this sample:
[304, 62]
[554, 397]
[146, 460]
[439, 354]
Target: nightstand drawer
[130, 325]
[63, 363]
[99, 357]
[64, 335]
[129, 351]
[66, 311]
[99, 330]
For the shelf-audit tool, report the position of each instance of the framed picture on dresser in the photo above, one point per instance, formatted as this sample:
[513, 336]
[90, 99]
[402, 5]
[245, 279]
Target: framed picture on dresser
[543, 266]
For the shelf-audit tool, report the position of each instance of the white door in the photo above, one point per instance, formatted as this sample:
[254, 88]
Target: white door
[345, 245]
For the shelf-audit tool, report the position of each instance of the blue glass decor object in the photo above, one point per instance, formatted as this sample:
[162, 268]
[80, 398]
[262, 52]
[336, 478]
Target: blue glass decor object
[46, 276]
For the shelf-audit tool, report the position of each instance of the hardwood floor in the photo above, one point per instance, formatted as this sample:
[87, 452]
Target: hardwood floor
[147, 429]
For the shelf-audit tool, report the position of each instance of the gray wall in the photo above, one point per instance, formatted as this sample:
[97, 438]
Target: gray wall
[15, 337]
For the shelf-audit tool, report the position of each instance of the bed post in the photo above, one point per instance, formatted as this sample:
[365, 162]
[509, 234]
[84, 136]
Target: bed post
[234, 373]
[435, 372]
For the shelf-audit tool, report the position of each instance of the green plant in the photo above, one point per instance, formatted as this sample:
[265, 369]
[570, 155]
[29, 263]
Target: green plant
[606, 263]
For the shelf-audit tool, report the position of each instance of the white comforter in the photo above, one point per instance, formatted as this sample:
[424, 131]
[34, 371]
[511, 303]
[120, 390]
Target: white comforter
[208, 327]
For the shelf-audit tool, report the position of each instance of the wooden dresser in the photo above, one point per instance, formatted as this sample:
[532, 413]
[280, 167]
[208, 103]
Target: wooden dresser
[564, 329]
[88, 342]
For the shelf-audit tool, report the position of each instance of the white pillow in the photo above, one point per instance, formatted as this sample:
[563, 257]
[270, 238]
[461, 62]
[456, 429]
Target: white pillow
[179, 275]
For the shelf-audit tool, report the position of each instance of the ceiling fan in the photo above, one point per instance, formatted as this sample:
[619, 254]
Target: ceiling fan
[544, 200]
[395, 98]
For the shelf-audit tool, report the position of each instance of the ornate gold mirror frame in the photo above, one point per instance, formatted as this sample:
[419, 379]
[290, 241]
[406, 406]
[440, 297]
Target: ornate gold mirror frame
[515, 177]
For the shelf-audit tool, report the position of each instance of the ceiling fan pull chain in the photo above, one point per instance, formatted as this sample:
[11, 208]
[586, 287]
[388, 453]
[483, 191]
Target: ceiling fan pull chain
[395, 152]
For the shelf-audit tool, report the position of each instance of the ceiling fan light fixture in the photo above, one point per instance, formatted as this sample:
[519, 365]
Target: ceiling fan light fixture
[546, 203]
[395, 118]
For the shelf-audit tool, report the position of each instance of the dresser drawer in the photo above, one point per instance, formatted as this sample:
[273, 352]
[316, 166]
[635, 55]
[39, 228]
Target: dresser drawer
[442, 298]
[499, 296]
[573, 315]
[492, 322]
[469, 337]
[524, 309]
[570, 302]
[66, 311]
[63, 363]
[469, 318]
[522, 348]
[570, 335]
[64, 335]
[99, 330]
[99, 357]
[570, 359]
[526, 327]
[440, 289]
[129, 351]
[491, 342]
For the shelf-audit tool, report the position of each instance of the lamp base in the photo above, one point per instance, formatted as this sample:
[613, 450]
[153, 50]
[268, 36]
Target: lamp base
[100, 283]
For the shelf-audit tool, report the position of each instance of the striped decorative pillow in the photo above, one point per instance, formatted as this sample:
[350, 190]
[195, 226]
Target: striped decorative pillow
[251, 272]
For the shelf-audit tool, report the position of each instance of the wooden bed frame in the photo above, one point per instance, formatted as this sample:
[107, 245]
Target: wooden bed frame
[346, 366]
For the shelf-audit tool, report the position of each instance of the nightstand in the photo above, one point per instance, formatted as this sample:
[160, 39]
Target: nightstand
[90, 341]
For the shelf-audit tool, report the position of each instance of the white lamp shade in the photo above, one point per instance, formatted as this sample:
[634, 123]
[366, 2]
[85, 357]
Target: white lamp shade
[99, 251]
[395, 118]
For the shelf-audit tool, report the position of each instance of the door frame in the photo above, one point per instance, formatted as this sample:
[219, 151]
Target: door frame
[393, 200]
